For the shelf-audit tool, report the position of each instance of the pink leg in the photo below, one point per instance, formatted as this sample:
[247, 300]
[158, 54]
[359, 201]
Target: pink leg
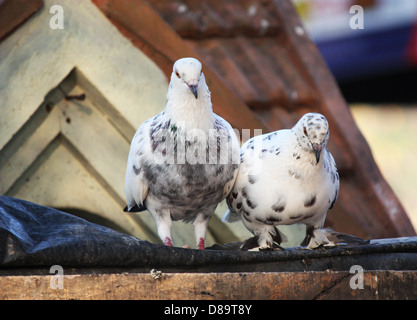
[168, 242]
[201, 244]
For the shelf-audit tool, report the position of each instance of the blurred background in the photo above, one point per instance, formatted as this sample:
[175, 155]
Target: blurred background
[373, 56]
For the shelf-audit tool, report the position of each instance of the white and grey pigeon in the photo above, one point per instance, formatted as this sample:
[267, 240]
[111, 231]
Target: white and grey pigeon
[184, 160]
[286, 177]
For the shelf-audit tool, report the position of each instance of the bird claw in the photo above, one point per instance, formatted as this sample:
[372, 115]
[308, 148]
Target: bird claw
[275, 248]
[168, 242]
[269, 247]
[266, 249]
[201, 244]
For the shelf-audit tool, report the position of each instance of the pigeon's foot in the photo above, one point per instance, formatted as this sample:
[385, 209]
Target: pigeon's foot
[316, 238]
[200, 229]
[201, 244]
[252, 244]
[168, 242]
[265, 239]
[273, 247]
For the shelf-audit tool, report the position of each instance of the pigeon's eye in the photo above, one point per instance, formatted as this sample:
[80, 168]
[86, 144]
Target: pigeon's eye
[305, 131]
[177, 74]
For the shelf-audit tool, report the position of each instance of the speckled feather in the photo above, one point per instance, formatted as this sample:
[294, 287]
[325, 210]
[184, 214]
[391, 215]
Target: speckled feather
[280, 181]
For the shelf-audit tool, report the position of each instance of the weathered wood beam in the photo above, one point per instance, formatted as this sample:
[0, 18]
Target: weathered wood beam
[211, 286]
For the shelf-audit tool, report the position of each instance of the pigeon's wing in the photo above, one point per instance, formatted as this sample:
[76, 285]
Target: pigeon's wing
[229, 185]
[136, 186]
[334, 177]
[230, 140]
[233, 197]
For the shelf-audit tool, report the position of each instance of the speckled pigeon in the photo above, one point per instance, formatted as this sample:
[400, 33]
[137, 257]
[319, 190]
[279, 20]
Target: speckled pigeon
[287, 177]
[184, 160]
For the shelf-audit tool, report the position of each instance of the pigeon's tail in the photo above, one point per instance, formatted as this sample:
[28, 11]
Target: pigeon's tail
[267, 240]
[135, 208]
[338, 237]
[230, 216]
[317, 237]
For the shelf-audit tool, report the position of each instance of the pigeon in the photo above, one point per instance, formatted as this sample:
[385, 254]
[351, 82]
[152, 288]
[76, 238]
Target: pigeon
[286, 177]
[184, 160]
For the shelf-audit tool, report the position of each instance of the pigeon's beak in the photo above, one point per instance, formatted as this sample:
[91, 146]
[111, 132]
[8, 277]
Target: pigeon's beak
[193, 89]
[317, 151]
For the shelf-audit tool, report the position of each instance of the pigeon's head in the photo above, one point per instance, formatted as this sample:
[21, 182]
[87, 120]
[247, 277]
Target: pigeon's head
[313, 129]
[187, 74]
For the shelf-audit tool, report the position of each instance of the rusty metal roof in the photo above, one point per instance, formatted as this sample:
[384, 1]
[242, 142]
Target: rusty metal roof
[240, 40]
[14, 13]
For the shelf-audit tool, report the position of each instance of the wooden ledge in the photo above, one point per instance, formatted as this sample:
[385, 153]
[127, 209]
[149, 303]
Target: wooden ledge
[212, 286]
